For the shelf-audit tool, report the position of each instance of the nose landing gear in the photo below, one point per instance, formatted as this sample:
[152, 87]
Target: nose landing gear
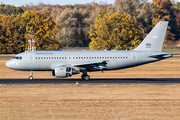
[31, 75]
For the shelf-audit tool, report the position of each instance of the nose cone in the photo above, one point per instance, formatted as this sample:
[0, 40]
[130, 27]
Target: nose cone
[8, 64]
[11, 64]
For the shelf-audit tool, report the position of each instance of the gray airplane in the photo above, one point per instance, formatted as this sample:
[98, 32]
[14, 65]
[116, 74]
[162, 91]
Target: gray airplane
[67, 63]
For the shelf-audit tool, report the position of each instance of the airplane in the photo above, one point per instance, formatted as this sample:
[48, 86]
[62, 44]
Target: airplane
[68, 63]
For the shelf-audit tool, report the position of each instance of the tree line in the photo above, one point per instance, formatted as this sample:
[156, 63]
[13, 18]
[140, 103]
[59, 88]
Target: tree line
[122, 25]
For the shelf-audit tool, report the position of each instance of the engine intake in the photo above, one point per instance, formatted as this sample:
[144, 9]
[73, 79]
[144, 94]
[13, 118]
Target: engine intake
[64, 71]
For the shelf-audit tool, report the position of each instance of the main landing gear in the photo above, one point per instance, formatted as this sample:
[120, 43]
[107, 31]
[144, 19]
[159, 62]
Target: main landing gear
[31, 75]
[85, 77]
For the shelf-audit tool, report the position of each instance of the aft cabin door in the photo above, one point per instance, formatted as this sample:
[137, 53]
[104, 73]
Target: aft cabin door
[133, 57]
[31, 58]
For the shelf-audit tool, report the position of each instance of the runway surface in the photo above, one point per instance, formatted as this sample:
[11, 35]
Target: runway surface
[98, 81]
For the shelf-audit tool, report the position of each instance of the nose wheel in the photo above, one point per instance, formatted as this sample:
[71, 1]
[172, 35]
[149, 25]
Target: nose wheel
[85, 77]
[31, 75]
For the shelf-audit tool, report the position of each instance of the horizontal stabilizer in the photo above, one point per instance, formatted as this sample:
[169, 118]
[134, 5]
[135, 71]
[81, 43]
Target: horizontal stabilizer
[164, 55]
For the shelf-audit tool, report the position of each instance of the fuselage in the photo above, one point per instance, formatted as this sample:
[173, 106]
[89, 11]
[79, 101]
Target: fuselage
[48, 60]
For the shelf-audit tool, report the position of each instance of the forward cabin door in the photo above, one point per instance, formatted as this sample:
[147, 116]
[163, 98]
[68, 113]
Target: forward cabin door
[31, 58]
[133, 57]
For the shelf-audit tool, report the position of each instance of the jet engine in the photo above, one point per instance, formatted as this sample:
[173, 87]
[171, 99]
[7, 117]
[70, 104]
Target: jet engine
[64, 71]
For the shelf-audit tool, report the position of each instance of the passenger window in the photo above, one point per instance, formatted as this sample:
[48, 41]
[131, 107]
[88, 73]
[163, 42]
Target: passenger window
[46, 57]
[62, 57]
[65, 57]
[54, 57]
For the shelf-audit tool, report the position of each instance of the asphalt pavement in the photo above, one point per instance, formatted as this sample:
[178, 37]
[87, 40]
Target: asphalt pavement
[98, 81]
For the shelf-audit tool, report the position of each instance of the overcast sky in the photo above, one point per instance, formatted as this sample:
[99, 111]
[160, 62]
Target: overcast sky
[54, 2]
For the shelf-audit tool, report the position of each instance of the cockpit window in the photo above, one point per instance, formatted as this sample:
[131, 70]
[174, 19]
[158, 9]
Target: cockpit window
[17, 57]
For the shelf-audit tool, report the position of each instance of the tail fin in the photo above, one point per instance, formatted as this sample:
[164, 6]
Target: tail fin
[154, 40]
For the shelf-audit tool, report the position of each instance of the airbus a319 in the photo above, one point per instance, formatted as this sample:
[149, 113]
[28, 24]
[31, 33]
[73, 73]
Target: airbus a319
[68, 63]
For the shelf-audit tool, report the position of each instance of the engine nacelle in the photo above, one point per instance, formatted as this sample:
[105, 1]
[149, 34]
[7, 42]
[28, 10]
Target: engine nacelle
[64, 71]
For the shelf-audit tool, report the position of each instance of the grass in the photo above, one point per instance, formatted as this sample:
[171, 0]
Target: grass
[82, 102]
[175, 50]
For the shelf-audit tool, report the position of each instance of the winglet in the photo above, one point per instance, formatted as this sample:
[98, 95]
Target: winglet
[154, 40]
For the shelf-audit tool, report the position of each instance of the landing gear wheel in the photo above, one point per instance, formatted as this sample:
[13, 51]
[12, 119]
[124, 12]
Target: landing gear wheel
[30, 78]
[31, 75]
[85, 77]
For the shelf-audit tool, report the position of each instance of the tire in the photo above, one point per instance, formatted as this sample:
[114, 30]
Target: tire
[86, 77]
[30, 78]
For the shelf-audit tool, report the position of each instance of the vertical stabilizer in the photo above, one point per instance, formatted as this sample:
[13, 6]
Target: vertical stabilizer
[154, 40]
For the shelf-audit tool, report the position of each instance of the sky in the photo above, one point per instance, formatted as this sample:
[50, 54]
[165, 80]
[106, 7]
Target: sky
[54, 2]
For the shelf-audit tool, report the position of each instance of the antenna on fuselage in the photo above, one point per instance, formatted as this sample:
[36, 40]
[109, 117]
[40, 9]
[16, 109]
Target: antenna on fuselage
[31, 40]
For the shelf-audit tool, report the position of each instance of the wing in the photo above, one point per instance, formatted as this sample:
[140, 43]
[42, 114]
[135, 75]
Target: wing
[93, 65]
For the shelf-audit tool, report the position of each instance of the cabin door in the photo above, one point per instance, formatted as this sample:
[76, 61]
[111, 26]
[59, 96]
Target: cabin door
[133, 57]
[31, 58]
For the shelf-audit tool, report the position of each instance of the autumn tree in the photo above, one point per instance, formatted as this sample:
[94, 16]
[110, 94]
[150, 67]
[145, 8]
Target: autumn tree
[44, 29]
[116, 31]
[11, 37]
[165, 11]
[13, 32]
[49, 10]
[140, 11]
[10, 9]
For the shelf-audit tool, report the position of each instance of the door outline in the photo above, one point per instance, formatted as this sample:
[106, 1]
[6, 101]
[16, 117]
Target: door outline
[31, 58]
[133, 57]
